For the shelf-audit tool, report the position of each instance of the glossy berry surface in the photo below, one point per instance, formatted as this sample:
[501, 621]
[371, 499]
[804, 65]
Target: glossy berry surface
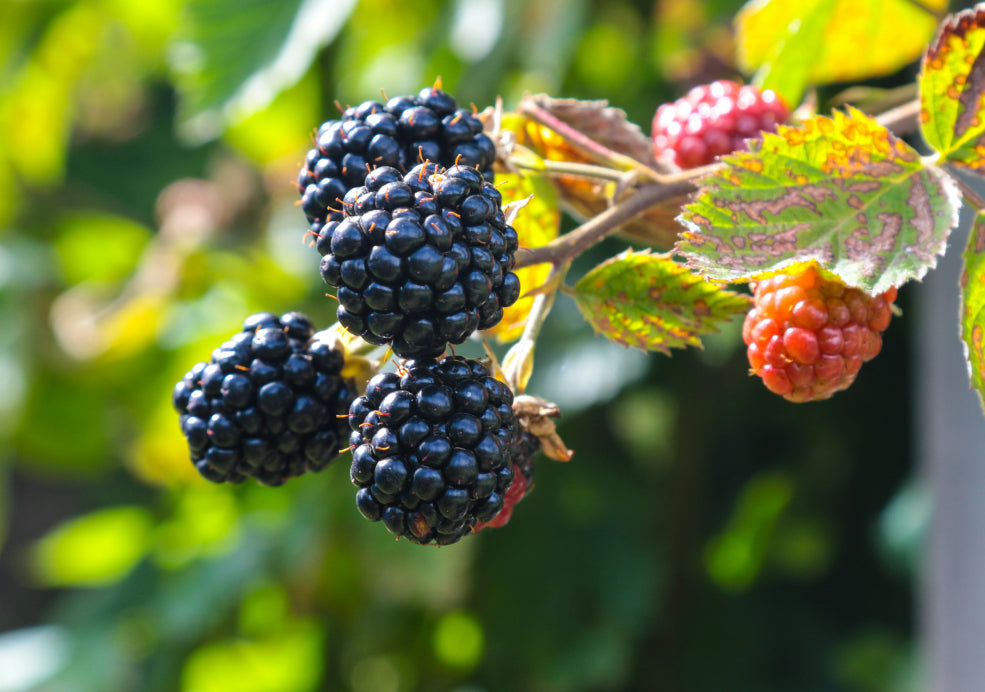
[266, 404]
[431, 449]
[713, 120]
[807, 336]
[404, 131]
[420, 260]
[522, 452]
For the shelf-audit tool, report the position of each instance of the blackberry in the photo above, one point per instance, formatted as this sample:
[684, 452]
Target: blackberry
[420, 260]
[713, 120]
[404, 131]
[266, 404]
[524, 448]
[807, 336]
[431, 449]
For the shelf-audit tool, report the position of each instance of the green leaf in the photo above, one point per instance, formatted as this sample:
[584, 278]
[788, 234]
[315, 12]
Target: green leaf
[799, 42]
[95, 549]
[651, 302]
[841, 191]
[952, 90]
[239, 54]
[973, 306]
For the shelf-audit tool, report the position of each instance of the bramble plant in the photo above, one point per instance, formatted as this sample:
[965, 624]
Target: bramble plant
[825, 217]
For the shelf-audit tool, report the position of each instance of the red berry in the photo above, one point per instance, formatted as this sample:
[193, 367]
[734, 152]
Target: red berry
[808, 336]
[713, 120]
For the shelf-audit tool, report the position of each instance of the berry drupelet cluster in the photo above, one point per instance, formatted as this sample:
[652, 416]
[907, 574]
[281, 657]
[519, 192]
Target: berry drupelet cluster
[713, 120]
[807, 336]
[431, 449]
[404, 131]
[421, 260]
[266, 404]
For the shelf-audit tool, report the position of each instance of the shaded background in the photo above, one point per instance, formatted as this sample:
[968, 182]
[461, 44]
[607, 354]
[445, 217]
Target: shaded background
[707, 535]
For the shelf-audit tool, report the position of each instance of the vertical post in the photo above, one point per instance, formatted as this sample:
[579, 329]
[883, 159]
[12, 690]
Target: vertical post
[950, 441]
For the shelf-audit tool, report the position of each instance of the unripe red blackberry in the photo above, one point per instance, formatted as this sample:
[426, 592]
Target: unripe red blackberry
[807, 336]
[420, 260]
[713, 120]
[401, 133]
[431, 449]
[266, 404]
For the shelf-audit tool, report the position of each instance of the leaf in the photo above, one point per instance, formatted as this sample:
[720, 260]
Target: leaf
[239, 54]
[952, 90]
[537, 224]
[973, 306]
[799, 42]
[584, 197]
[601, 122]
[653, 303]
[95, 549]
[841, 191]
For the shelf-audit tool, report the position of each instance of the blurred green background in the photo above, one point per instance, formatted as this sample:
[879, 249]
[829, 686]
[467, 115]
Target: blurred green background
[706, 536]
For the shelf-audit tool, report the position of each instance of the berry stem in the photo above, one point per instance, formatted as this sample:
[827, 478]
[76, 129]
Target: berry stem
[518, 362]
[572, 244]
[901, 119]
[570, 168]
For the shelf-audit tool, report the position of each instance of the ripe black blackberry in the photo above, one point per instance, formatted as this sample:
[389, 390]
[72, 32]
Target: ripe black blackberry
[420, 260]
[401, 133]
[266, 404]
[523, 449]
[431, 449]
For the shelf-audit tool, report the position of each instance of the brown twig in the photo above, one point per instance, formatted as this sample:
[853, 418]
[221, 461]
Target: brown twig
[572, 244]
[902, 119]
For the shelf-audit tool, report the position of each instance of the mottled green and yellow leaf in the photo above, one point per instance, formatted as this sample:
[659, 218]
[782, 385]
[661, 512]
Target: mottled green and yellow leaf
[653, 303]
[841, 191]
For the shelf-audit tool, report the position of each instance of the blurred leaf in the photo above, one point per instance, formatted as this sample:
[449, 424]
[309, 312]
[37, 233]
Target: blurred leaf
[239, 55]
[95, 549]
[265, 609]
[952, 92]
[536, 224]
[653, 303]
[973, 306]
[78, 411]
[37, 110]
[735, 557]
[459, 640]
[844, 192]
[205, 523]
[99, 247]
[282, 129]
[289, 662]
[795, 43]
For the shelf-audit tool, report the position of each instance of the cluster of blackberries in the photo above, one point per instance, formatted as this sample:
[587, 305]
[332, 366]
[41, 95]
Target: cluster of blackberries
[432, 448]
[413, 234]
[404, 131]
[267, 403]
[420, 260]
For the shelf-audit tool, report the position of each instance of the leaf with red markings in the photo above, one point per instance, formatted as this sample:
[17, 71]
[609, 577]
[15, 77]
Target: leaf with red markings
[952, 90]
[841, 191]
[653, 303]
[973, 306]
